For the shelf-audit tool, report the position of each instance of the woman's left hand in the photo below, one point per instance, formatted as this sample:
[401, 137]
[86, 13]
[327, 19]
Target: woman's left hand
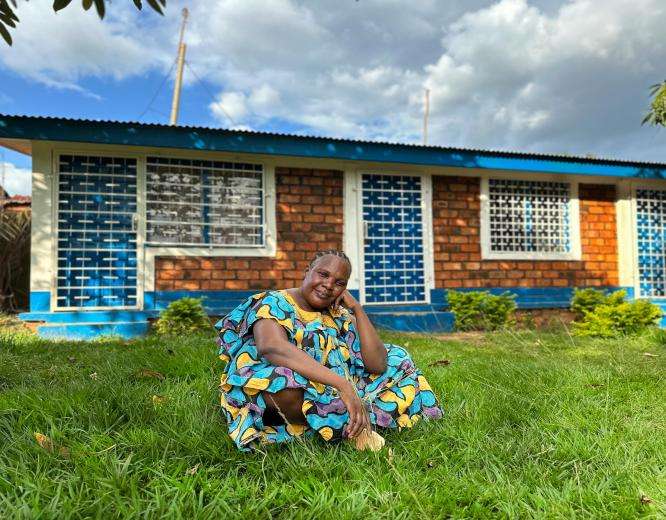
[346, 300]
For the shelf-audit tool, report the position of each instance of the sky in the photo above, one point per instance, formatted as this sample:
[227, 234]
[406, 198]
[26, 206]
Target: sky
[546, 76]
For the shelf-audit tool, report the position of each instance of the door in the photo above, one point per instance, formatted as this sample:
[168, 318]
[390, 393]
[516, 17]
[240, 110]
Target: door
[393, 239]
[97, 237]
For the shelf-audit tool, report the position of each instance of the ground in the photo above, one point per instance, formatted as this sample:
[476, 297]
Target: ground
[536, 425]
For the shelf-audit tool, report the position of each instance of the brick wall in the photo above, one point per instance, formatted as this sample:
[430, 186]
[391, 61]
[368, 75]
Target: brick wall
[457, 254]
[308, 219]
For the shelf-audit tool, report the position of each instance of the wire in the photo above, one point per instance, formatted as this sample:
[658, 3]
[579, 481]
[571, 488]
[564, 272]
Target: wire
[212, 96]
[166, 76]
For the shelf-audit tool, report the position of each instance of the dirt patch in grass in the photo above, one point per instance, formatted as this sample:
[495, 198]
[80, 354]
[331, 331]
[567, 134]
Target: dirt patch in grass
[11, 323]
[473, 337]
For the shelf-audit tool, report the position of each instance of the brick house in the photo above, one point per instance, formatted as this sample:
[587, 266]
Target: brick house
[128, 217]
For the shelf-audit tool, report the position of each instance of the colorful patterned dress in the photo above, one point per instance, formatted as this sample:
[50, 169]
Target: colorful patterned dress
[395, 399]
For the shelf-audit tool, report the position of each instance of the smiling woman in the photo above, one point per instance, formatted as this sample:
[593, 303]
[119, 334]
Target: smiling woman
[307, 360]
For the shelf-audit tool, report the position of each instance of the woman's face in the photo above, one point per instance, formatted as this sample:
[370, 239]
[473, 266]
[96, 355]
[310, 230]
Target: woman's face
[325, 281]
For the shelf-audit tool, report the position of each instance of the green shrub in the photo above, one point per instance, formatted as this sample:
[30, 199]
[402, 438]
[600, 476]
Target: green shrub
[184, 316]
[480, 310]
[586, 300]
[608, 316]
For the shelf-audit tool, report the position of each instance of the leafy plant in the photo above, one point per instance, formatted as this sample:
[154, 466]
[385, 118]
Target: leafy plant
[586, 300]
[183, 316]
[481, 310]
[657, 113]
[609, 315]
[8, 17]
[14, 259]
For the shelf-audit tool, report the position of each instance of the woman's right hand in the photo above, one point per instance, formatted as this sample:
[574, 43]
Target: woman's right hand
[358, 415]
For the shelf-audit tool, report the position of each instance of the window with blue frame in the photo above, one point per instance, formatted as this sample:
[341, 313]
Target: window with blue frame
[192, 202]
[529, 217]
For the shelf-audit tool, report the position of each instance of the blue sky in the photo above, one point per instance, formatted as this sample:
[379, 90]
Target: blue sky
[537, 76]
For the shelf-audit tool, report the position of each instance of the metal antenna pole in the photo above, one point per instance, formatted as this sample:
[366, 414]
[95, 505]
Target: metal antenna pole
[175, 103]
[426, 114]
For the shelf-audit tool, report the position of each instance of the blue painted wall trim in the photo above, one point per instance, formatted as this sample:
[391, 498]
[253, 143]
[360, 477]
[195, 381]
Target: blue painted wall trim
[528, 297]
[211, 139]
[40, 301]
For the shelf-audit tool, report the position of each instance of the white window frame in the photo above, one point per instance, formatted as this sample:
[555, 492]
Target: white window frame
[574, 218]
[55, 197]
[354, 228]
[633, 190]
[231, 247]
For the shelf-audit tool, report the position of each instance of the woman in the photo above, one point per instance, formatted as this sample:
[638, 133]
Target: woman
[308, 360]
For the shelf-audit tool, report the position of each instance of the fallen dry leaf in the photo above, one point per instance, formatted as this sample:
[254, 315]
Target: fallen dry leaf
[44, 441]
[440, 363]
[647, 354]
[159, 399]
[146, 372]
[48, 445]
[646, 499]
[369, 440]
[193, 469]
[93, 376]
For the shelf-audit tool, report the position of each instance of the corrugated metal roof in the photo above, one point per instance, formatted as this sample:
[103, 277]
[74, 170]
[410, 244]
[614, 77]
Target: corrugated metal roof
[314, 138]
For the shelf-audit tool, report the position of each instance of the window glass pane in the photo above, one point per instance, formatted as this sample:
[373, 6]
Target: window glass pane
[529, 216]
[192, 202]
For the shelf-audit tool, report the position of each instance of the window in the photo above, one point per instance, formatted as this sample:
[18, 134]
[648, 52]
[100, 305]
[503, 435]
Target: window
[529, 219]
[204, 203]
[651, 237]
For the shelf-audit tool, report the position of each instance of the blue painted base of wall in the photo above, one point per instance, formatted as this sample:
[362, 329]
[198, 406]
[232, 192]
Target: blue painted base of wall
[431, 317]
[88, 331]
[424, 322]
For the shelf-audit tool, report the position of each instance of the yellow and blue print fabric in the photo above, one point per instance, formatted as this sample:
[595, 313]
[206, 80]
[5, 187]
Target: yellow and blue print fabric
[395, 399]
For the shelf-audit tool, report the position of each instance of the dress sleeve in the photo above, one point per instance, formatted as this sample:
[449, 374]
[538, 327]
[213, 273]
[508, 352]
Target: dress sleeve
[272, 306]
[236, 326]
[348, 333]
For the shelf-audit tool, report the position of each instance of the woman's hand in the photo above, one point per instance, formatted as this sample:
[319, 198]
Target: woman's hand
[346, 300]
[358, 415]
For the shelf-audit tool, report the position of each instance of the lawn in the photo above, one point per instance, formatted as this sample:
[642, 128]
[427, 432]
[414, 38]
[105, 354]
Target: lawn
[536, 425]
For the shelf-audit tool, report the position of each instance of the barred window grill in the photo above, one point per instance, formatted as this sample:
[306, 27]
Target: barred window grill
[651, 237]
[97, 259]
[195, 202]
[529, 216]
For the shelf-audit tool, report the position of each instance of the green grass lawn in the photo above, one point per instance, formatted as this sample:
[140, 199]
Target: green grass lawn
[536, 425]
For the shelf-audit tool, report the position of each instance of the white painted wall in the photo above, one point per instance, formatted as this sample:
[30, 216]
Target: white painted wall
[43, 240]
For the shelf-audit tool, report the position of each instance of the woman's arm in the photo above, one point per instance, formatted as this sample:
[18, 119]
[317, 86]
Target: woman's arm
[272, 343]
[373, 351]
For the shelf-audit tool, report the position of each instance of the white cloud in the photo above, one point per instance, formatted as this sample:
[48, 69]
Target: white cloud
[512, 76]
[58, 49]
[17, 180]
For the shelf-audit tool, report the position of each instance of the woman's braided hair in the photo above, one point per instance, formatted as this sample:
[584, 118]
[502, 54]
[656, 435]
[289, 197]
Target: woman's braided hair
[334, 252]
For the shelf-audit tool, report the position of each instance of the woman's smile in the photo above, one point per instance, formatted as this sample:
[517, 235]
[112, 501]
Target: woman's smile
[322, 295]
